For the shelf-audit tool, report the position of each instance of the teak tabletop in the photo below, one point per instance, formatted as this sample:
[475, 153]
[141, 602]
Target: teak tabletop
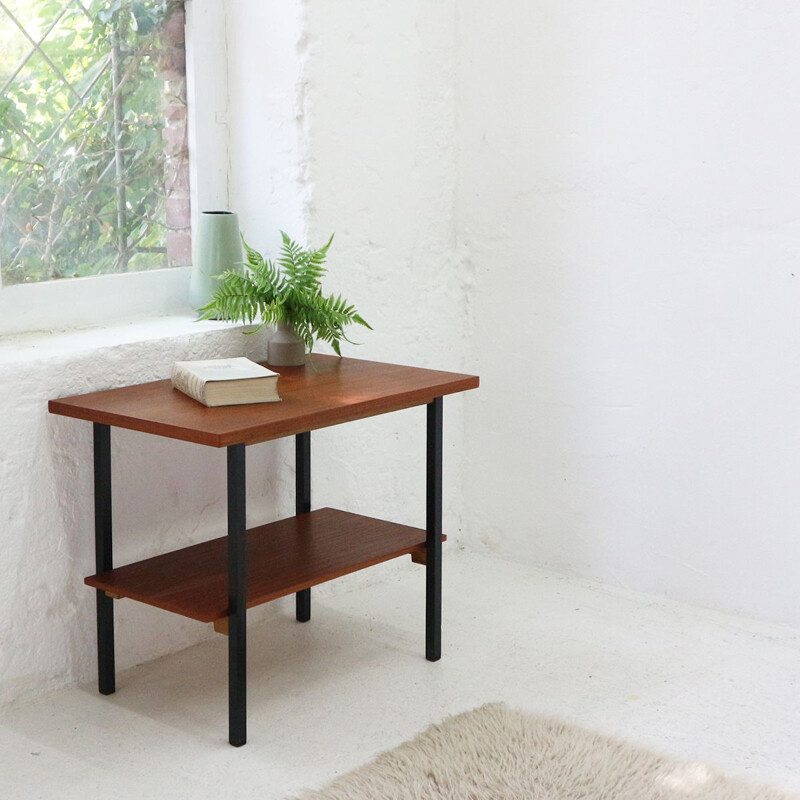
[326, 391]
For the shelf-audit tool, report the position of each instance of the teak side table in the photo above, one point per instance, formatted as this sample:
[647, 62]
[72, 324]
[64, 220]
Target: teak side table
[217, 581]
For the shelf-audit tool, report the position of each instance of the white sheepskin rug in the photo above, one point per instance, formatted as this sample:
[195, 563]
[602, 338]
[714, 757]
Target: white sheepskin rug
[495, 753]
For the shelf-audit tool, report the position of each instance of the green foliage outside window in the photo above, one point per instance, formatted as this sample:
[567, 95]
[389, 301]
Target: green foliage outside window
[88, 159]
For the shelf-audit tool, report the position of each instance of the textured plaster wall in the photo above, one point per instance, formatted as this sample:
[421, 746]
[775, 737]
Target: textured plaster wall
[317, 148]
[376, 114]
[593, 206]
[342, 121]
[268, 176]
[166, 494]
[628, 203]
[314, 146]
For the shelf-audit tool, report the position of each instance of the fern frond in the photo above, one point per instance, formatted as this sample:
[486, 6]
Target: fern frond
[303, 269]
[361, 321]
[287, 290]
[233, 300]
[254, 258]
[267, 279]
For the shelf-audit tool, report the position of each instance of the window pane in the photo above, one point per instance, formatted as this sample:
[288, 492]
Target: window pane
[94, 174]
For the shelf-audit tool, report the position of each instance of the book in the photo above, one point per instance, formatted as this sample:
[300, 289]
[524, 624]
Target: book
[226, 381]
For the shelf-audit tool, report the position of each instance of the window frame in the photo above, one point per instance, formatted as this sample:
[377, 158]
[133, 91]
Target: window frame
[100, 299]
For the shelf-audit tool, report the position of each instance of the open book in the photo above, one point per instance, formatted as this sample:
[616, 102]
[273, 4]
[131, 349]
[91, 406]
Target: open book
[226, 381]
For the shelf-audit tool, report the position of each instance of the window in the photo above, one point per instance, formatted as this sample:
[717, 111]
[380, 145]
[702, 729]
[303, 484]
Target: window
[94, 142]
[94, 174]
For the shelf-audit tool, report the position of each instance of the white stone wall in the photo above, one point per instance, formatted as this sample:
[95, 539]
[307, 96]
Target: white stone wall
[342, 121]
[591, 205]
[166, 494]
[310, 152]
[378, 98]
[628, 203]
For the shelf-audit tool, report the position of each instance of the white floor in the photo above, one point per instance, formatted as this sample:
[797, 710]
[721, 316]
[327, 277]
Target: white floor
[328, 695]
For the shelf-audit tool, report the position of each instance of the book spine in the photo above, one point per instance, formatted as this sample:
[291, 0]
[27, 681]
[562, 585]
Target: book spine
[188, 383]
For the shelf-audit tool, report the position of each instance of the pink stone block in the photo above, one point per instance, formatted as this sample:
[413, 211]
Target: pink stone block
[179, 248]
[178, 212]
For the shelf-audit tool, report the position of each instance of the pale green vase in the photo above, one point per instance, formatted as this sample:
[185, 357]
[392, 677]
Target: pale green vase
[217, 248]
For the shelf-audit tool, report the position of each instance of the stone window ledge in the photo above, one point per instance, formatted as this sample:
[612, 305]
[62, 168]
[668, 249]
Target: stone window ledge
[41, 346]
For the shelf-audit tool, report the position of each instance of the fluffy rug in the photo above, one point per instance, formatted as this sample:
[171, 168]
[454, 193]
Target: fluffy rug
[494, 753]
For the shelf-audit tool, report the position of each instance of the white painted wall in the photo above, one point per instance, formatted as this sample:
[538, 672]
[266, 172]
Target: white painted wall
[592, 205]
[268, 151]
[320, 145]
[378, 102]
[628, 201]
[307, 153]
[166, 494]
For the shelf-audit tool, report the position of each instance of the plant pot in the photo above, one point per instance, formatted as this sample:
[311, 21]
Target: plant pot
[286, 348]
[218, 247]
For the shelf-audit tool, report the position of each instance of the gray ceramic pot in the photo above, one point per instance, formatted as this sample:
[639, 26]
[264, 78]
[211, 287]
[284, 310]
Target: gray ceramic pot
[286, 348]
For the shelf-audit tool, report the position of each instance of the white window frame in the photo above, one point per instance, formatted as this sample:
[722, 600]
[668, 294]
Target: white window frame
[97, 300]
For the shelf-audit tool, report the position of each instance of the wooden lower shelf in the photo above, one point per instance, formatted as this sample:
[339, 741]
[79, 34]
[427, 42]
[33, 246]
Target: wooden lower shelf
[282, 558]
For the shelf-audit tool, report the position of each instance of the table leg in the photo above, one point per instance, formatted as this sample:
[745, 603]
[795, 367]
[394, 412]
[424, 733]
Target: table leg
[106, 680]
[237, 597]
[433, 528]
[302, 449]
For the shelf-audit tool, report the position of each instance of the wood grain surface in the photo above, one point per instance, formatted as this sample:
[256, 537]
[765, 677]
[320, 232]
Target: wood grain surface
[326, 391]
[282, 558]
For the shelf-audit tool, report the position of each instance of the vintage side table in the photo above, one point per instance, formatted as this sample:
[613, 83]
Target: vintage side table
[216, 581]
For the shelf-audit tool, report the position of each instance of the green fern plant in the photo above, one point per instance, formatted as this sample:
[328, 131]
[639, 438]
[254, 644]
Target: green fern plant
[287, 290]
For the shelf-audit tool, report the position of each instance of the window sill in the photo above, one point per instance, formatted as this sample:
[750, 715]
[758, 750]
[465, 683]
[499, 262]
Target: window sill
[24, 348]
[93, 301]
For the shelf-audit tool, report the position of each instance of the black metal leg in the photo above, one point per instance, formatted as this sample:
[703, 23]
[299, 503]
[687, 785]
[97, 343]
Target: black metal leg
[433, 527]
[237, 597]
[302, 449]
[303, 605]
[106, 679]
